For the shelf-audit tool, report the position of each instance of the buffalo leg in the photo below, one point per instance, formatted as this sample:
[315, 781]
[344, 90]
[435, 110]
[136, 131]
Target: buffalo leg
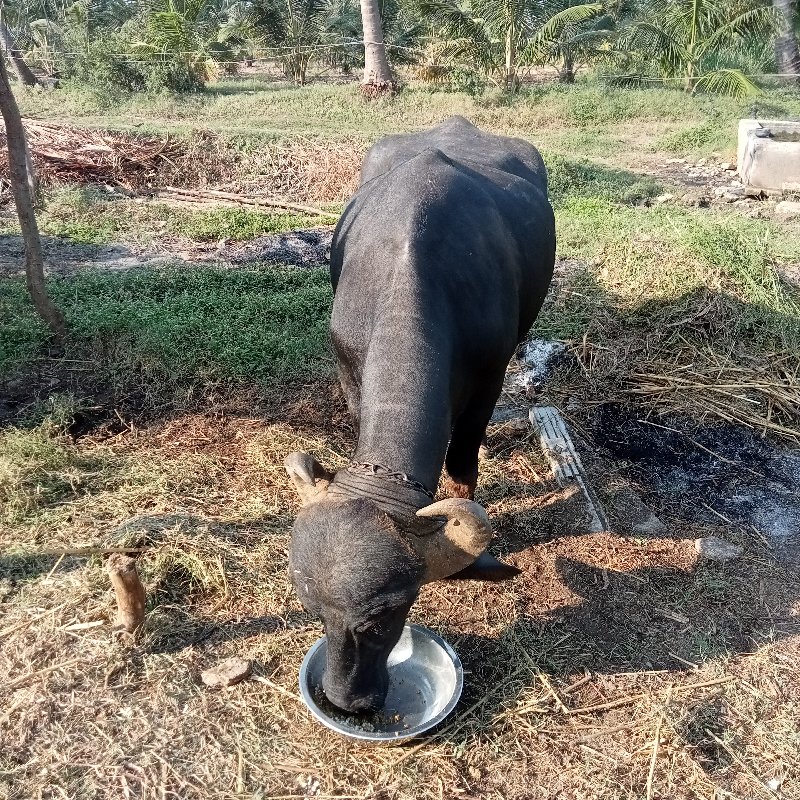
[350, 381]
[469, 433]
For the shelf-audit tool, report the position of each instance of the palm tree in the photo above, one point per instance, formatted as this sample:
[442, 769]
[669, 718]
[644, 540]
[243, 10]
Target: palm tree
[787, 52]
[299, 29]
[701, 43]
[185, 33]
[9, 46]
[499, 36]
[377, 75]
[570, 38]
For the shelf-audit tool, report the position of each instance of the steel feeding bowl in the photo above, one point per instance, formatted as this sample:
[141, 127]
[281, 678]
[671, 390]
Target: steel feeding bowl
[425, 683]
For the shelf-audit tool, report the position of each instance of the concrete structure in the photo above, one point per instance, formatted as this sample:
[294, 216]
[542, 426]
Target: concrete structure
[769, 155]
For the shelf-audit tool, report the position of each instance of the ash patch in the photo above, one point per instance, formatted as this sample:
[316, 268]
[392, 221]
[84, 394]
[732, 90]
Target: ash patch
[536, 360]
[692, 471]
[64, 258]
[303, 248]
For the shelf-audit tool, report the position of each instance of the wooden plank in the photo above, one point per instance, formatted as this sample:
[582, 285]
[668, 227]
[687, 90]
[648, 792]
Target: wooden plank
[565, 461]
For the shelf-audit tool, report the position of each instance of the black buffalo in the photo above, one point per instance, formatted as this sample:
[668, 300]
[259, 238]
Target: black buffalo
[439, 264]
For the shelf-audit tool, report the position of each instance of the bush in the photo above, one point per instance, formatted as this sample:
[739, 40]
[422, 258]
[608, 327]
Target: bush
[469, 81]
[171, 76]
[111, 65]
[103, 67]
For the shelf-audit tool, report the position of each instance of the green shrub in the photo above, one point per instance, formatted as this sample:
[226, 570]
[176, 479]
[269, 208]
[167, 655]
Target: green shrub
[237, 224]
[469, 81]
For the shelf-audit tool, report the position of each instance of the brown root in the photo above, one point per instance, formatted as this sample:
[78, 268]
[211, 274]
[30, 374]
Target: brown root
[376, 89]
[129, 592]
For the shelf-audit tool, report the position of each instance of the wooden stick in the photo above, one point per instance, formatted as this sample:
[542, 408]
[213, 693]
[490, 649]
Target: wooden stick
[15, 684]
[573, 686]
[654, 757]
[128, 590]
[82, 551]
[250, 201]
[634, 698]
[551, 691]
[565, 462]
[277, 687]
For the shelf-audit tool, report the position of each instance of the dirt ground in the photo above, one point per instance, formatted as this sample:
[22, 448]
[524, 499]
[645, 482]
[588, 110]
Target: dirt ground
[619, 664]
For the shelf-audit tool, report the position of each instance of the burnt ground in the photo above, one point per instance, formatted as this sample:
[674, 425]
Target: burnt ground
[302, 248]
[698, 473]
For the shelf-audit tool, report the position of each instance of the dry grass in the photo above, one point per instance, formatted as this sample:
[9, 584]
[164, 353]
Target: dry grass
[308, 169]
[612, 665]
[299, 167]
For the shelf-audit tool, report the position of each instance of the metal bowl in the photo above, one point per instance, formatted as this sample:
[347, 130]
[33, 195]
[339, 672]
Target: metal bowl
[425, 683]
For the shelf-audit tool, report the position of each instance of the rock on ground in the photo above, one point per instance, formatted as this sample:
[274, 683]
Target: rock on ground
[787, 210]
[228, 673]
[713, 549]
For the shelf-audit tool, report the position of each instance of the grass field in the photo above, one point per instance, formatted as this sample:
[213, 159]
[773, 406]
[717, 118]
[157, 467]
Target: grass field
[618, 665]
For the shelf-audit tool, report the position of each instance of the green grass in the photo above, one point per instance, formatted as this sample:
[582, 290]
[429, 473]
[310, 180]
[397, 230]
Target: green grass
[236, 223]
[173, 327]
[205, 324]
[87, 216]
[259, 109]
[694, 139]
[571, 178]
[647, 265]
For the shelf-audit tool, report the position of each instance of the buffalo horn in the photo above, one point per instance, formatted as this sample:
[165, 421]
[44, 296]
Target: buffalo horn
[308, 475]
[458, 542]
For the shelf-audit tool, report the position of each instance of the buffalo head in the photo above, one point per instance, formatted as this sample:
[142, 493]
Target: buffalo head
[360, 571]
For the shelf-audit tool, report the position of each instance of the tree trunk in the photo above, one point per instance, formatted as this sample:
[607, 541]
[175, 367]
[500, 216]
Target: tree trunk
[511, 60]
[377, 75]
[787, 51]
[567, 74]
[23, 70]
[21, 179]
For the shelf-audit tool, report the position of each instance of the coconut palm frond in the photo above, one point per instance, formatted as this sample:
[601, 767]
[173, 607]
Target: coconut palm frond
[571, 16]
[758, 23]
[731, 82]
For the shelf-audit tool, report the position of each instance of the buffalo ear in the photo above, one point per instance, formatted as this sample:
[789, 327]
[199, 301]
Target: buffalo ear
[458, 542]
[310, 478]
[486, 568]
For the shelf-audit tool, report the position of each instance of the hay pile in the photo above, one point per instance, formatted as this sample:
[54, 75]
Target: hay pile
[307, 169]
[762, 397]
[63, 154]
[300, 169]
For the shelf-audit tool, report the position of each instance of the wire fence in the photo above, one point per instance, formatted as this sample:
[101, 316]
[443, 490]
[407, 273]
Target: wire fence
[271, 54]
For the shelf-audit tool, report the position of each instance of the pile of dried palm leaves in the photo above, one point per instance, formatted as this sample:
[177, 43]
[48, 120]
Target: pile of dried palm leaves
[764, 397]
[299, 169]
[63, 154]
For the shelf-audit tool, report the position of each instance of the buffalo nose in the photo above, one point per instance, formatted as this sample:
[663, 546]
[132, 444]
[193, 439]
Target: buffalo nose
[353, 704]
